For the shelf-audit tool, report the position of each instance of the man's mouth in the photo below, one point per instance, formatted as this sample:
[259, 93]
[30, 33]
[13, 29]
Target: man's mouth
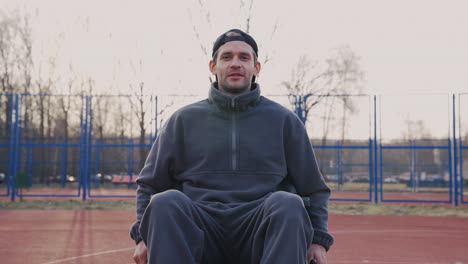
[236, 75]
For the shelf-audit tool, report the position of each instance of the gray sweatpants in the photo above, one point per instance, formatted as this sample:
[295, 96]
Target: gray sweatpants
[272, 230]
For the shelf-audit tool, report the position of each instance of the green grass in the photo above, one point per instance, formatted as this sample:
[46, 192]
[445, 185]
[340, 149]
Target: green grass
[335, 208]
[68, 205]
[388, 187]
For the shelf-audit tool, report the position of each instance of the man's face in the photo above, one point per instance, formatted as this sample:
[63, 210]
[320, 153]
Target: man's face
[235, 67]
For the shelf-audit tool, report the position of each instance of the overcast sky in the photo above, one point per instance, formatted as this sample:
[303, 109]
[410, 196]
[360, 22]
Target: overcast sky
[405, 46]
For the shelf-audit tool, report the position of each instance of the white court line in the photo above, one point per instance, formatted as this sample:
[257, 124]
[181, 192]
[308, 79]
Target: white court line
[340, 261]
[393, 262]
[91, 255]
[427, 231]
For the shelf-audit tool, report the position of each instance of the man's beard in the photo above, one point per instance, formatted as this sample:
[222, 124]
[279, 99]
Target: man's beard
[235, 90]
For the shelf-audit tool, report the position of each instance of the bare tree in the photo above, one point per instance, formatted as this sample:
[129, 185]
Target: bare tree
[204, 46]
[327, 83]
[65, 103]
[100, 114]
[42, 108]
[415, 129]
[347, 80]
[87, 86]
[140, 112]
[245, 11]
[7, 62]
[25, 65]
[141, 106]
[44, 86]
[15, 60]
[306, 79]
[138, 106]
[121, 121]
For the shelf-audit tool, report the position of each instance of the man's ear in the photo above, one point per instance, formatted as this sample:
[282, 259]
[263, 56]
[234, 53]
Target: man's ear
[212, 66]
[258, 67]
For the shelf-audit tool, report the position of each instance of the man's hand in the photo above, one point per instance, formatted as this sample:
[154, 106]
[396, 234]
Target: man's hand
[317, 252]
[140, 254]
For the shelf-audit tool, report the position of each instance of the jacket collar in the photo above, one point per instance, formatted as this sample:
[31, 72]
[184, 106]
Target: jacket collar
[239, 102]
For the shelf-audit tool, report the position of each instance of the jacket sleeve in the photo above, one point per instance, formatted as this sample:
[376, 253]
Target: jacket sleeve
[305, 175]
[158, 172]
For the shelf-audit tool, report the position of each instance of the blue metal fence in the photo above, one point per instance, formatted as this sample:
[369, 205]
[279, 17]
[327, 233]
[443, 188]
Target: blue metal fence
[42, 160]
[417, 181]
[54, 163]
[341, 165]
[7, 145]
[104, 172]
[462, 150]
[348, 164]
[87, 165]
[427, 169]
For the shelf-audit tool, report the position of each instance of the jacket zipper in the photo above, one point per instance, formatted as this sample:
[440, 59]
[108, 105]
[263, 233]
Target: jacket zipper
[233, 135]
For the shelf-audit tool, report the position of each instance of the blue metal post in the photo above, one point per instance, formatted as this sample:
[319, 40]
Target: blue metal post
[339, 170]
[376, 177]
[305, 110]
[299, 108]
[89, 145]
[460, 155]
[450, 168]
[462, 179]
[414, 180]
[29, 161]
[19, 136]
[14, 126]
[455, 164]
[64, 162]
[11, 147]
[130, 160]
[97, 168]
[87, 138]
[84, 147]
[80, 163]
[380, 166]
[370, 166]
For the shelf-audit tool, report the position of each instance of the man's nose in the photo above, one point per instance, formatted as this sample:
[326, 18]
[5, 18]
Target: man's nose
[235, 62]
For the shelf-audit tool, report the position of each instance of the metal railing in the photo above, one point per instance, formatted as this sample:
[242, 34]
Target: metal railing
[85, 163]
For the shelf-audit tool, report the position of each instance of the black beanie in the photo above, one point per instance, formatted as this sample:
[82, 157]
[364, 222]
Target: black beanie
[233, 35]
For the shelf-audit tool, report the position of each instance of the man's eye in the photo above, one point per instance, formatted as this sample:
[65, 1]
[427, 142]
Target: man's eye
[244, 58]
[225, 57]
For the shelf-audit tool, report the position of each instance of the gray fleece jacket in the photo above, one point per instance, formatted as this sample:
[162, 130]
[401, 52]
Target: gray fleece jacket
[231, 150]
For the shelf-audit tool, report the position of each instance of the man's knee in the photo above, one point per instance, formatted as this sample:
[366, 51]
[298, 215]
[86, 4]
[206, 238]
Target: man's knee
[168, 201]
[285, 204]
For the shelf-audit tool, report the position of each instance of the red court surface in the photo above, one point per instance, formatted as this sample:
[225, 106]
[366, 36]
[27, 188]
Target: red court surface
[102, 237]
